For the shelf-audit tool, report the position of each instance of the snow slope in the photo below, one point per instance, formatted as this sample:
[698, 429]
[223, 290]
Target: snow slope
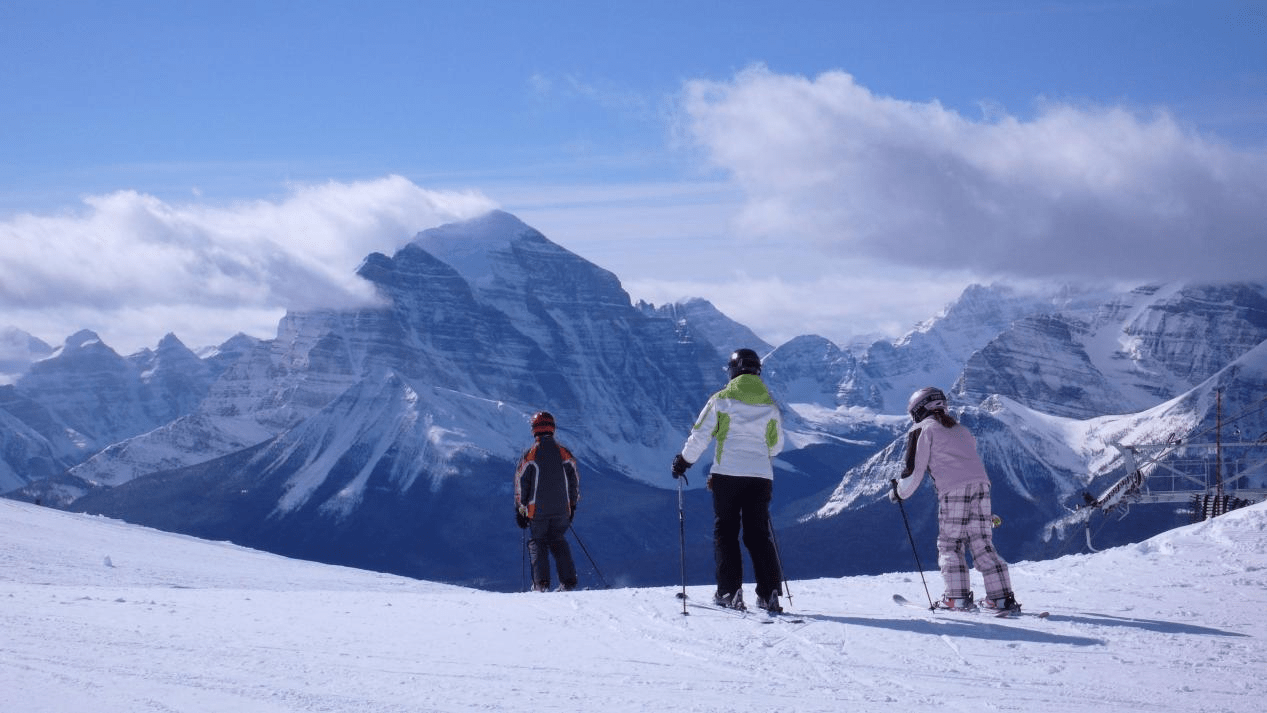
[102, 616]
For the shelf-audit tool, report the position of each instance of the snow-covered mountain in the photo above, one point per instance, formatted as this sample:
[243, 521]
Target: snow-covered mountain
[699, 317]
[1123, 356]
[27, 454]
[543, 329]
[1043, 467]
[381, 436]
[104, 397]
[85, 402]
[18, 350]
[366, 413]
[809, 369]
[402, 476]
[935, 351]
[104, 616]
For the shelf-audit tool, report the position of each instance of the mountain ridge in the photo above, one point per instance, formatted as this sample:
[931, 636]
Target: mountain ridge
[356, 421]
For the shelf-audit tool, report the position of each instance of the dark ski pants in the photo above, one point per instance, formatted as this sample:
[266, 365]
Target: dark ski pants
[743, 503]
[547, 535]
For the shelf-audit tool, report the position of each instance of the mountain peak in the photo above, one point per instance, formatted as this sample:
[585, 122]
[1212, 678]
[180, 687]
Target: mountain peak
[170, 342]
[471, 246]
[495, 225]
[82, 338]
[18, 350]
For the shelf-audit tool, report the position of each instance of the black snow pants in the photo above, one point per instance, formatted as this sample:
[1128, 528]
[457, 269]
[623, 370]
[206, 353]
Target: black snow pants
[744, 502]
[547, 536]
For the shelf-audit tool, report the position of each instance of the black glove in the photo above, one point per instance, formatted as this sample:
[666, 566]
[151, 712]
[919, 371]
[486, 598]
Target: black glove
[680, 465]
[521, 518]
[893, 496]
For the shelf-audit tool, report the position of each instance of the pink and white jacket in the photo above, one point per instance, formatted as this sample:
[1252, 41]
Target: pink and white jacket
[949, 454]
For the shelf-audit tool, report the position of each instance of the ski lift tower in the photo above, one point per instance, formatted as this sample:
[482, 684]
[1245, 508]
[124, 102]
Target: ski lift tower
[1214, 477]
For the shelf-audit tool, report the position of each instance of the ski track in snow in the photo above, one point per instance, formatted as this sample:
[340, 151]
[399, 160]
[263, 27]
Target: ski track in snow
[102, 616]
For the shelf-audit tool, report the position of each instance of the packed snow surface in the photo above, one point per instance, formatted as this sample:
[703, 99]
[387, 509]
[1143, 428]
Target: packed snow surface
[101, 616]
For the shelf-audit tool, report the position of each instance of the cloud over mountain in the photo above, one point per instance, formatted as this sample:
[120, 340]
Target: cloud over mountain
[1073, 191]
[127, 253]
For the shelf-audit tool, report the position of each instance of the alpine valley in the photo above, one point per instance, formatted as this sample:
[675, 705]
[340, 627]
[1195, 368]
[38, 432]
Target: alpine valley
[385, 437]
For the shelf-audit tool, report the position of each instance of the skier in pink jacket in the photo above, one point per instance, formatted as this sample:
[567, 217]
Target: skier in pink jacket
[948, 451]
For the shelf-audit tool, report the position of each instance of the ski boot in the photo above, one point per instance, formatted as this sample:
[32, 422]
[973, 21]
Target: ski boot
[1005, 604]
[770, 603]
[730, 601]
[957, 603]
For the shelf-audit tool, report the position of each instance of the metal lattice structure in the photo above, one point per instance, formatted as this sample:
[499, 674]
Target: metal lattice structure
[1212, 477]
[1181, 472]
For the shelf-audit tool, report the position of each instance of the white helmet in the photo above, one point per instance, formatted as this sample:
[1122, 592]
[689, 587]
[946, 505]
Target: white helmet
[924, 401]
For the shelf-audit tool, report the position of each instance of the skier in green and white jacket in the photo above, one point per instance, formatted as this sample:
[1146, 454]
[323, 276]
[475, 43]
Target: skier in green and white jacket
[745, 422]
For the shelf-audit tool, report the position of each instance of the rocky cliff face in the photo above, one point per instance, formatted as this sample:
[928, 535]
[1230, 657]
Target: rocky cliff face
[102, 398]
[1123, 356]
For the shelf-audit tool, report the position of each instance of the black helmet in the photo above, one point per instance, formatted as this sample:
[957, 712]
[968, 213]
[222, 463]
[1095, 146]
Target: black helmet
[542, 423]
[924, 401]
[743, 361]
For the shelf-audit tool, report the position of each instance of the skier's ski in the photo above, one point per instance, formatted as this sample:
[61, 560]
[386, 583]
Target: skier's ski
[740, 613]
[899, 599]
[783, 616]
[1006, 614]
[769, 617]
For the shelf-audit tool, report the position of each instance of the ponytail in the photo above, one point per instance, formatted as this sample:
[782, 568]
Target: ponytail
[944, 418]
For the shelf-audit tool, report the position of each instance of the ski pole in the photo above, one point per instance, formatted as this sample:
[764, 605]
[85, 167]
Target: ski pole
[914, 551]
[681, 527]
[523, 556]
[778, 558]
[587, 556]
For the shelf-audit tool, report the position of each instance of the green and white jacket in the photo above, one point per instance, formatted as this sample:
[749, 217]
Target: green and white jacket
[745, 422]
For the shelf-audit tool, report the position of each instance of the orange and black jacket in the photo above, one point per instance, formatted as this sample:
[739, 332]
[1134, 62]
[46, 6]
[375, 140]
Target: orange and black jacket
[547, 483]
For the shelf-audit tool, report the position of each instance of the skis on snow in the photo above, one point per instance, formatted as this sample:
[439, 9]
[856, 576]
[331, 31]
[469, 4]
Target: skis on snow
[759, 615]
[903, 601]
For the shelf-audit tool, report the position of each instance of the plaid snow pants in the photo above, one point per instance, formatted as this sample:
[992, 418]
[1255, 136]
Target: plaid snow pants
[963, 520]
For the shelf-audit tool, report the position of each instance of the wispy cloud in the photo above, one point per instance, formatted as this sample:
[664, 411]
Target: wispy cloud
[1075, 191]
[606, 94]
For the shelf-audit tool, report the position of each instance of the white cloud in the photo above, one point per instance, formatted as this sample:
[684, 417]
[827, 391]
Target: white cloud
[1073, 192]
[129, 260]
[854, 213]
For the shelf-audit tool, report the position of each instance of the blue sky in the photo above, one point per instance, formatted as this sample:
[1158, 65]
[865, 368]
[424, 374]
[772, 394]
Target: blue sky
[811, 167]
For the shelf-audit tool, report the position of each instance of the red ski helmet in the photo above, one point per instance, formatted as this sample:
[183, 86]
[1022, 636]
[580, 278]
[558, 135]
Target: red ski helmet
[542, 423]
